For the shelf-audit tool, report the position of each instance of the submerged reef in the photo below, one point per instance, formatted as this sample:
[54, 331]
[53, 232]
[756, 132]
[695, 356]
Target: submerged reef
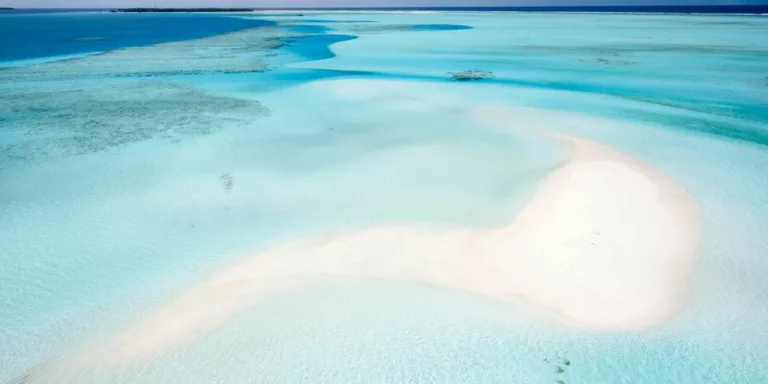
[560, 366]
[62, 120]
[237, 52]
[227, 181]
[471, 75]
[92, 103]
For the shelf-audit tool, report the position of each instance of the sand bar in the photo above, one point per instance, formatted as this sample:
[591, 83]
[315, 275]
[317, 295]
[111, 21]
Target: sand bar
[605, 243]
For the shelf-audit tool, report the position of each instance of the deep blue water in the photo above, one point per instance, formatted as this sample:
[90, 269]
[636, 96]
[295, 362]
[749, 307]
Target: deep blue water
[41, 35]
[315, 47]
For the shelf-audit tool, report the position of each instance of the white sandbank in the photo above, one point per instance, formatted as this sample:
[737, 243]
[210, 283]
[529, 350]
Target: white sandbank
[604, 243]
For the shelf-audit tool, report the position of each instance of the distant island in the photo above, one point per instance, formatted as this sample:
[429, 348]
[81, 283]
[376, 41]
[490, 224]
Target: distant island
[6, 9]
[167, 10]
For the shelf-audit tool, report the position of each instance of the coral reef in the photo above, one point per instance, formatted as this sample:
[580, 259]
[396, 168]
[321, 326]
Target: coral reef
[471, 75]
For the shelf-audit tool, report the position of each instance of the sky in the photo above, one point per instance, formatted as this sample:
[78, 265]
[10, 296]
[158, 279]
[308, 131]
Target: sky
[346, 3]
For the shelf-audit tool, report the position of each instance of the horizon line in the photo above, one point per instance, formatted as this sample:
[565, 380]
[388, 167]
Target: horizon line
[432, 7]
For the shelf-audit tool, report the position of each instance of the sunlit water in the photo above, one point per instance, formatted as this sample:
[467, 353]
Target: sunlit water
[131, 171]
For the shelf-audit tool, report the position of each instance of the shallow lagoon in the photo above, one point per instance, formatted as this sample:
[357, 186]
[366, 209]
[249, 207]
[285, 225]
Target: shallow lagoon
[130, 175]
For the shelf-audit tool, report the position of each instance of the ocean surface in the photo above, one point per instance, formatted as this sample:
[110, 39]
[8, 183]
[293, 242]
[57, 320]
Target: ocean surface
[139, 153]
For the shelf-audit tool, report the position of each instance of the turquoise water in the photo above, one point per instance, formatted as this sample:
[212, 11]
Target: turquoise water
[130, 175]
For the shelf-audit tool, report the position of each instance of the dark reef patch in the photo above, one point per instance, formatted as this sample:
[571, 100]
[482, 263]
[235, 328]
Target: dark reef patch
[471, 75]
[227, 181]
[95, 117]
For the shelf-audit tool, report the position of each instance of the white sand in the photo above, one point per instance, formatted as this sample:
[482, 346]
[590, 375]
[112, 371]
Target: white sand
[604, 243]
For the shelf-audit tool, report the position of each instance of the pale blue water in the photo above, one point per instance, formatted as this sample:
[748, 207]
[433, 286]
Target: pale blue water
[127, 177]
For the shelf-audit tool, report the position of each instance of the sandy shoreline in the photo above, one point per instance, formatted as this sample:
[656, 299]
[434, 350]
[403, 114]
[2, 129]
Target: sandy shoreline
[605, 243]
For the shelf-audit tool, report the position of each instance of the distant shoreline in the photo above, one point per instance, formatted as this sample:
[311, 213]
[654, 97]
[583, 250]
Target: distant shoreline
[182, 10]
[708, 9]
[656, 9]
